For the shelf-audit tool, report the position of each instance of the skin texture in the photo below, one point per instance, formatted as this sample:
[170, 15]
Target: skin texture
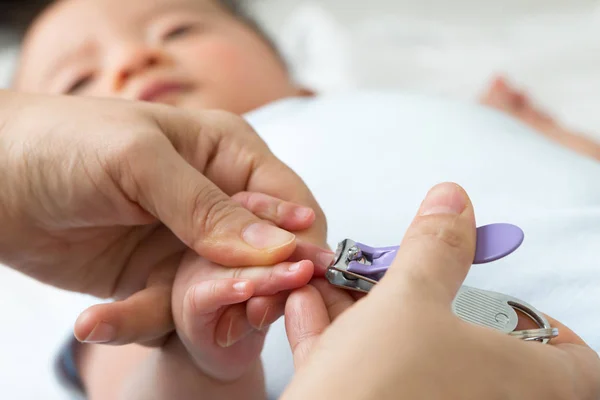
[153, 164]
[101, 218]
[422, 349]
[120, 49]
[192, 55]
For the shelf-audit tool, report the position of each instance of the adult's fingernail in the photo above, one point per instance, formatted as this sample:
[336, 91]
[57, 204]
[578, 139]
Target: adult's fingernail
[102, 333]
[263, 236]
[445, 198]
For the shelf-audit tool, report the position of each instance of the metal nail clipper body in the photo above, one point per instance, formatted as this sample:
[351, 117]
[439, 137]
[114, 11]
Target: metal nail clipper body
[359, 267]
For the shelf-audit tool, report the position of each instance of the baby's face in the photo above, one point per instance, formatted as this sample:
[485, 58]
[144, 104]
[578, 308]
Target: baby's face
[187, 53]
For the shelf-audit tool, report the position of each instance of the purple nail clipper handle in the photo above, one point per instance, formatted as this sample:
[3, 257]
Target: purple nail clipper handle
[494, 241]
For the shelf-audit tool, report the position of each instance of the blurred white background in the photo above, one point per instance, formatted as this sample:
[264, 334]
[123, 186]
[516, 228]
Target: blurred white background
[448, 47]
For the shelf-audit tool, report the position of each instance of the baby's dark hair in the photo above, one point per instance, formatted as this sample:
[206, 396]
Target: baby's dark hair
[16, 16]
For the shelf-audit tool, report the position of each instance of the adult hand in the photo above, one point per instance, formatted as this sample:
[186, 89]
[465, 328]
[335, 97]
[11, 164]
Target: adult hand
[404, 341]
[96, 192]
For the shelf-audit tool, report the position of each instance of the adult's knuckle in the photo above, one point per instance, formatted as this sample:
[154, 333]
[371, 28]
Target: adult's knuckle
[444, 233]
[210, 210]
[135, 148]
[231, 120]
[450, 237]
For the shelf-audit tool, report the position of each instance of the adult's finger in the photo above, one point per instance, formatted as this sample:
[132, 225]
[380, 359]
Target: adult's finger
[438, 248]
[336, 300]
[584, 370]
[565, 334]
[290, 216]
[144, 317]
[198, 212]
[308, 313]
[306, 318]
[284, 214]
[227, 150]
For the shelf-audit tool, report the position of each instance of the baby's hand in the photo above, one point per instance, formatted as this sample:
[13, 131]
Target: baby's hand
[222, 315]
[147, 318]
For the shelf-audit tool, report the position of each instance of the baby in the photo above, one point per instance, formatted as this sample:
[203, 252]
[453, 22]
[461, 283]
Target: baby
[192, 54]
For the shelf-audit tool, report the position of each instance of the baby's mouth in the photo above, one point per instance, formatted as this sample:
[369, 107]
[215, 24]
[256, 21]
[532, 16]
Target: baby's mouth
[163, 92]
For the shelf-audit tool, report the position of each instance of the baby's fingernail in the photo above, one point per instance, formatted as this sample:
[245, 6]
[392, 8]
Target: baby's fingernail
[303, 212]
[325, 259]
[264, 318]
[240, 286]
[294, 267]
[102, 333]
[263, 236]
[445, 198]
[236, 331]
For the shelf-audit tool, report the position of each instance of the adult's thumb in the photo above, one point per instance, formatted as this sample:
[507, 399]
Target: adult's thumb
[199, 213]
[438, 248]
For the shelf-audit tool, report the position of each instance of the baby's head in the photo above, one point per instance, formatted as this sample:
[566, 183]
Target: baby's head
[188, 53]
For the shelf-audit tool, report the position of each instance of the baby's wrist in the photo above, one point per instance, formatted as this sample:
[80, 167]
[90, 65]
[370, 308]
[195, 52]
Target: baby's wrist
[134, 372]
[220, 376]
[175, 375]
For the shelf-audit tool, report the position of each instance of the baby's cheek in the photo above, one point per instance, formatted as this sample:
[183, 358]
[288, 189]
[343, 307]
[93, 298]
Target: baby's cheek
[217, 58]
[244, 66]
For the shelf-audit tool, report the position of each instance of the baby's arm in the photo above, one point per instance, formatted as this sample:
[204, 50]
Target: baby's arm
[505, 97]
[134, 372]
[220, 335]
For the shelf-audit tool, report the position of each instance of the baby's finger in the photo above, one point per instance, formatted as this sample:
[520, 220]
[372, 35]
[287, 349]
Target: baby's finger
[141, 318]
[263, 311]
[270, 280]
[232, 326]
[201, 302]
[207, 297]
[320, 257]
[306, 318]
[284, 214]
